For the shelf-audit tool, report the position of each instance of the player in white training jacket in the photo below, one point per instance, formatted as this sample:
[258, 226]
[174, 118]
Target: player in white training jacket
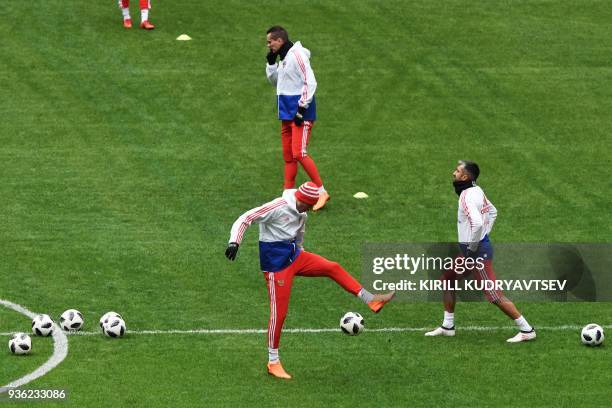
[295, 89]
[281, 257]
[475, 218]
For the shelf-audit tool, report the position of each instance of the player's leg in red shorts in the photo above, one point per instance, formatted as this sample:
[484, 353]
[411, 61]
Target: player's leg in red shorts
[313, 265]
[145, 5]
[479, 274]
[291, 166]
[496, 297]
[449, 297]
[279, 291]
[124, 5]
[486, 273]
[279, 287]
[300, 135]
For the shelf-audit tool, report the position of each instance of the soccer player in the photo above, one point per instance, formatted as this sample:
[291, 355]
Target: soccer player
[295, 88]
[476, 216]
[281, 233]
[145, 5]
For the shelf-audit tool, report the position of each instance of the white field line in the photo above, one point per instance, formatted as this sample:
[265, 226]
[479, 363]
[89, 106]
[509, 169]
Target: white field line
[60, 349]
[325, 330]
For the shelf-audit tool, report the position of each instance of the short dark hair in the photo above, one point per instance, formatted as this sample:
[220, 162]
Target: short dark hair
[278, 32]
[471, 169]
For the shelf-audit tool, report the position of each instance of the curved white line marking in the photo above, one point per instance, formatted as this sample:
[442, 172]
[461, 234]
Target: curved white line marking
[60, 349]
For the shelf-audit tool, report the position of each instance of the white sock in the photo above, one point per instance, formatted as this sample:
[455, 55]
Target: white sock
[144, 15]
[522, 324]
[365, 296]
[273, 355]
[449, 320]
[321, 189]
[126, 13]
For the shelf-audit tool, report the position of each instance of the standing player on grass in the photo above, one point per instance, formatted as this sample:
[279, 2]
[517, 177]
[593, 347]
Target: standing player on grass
[281, 234]
[145, 6]
[295, 88]
[476, 216]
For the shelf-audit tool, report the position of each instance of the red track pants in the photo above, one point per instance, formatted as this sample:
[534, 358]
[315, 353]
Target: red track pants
[279, 287]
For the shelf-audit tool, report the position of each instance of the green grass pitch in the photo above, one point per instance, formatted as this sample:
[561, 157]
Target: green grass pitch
[127, 155]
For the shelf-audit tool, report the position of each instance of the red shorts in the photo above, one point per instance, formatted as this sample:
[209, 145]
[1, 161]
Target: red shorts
[295, 139]
[480, 274]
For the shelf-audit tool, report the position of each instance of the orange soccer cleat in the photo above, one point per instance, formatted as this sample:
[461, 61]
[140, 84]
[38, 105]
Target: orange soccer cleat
[127, 23]
[379, 301]
[147, 25]
[277, 370]
[323, 198]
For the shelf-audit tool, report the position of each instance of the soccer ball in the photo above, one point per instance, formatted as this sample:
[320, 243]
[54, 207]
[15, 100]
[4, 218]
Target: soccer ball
[71, 320]
[351, 323]
[592, 335]
[114, 327]
[42, 325]
[106, 316]
[21, 343]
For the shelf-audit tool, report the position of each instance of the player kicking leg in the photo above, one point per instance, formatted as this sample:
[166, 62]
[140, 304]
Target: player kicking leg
[281, 234]
[279, 291]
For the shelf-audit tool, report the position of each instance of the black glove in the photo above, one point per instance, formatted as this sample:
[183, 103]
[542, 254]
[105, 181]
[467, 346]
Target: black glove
[271, 57]
[298, 119]
[471, 254]
[231, 251]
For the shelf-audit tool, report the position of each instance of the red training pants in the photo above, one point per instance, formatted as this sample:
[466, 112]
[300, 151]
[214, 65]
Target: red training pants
[279, 287]
[295, 143]
[144, 4]
[480, 274]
